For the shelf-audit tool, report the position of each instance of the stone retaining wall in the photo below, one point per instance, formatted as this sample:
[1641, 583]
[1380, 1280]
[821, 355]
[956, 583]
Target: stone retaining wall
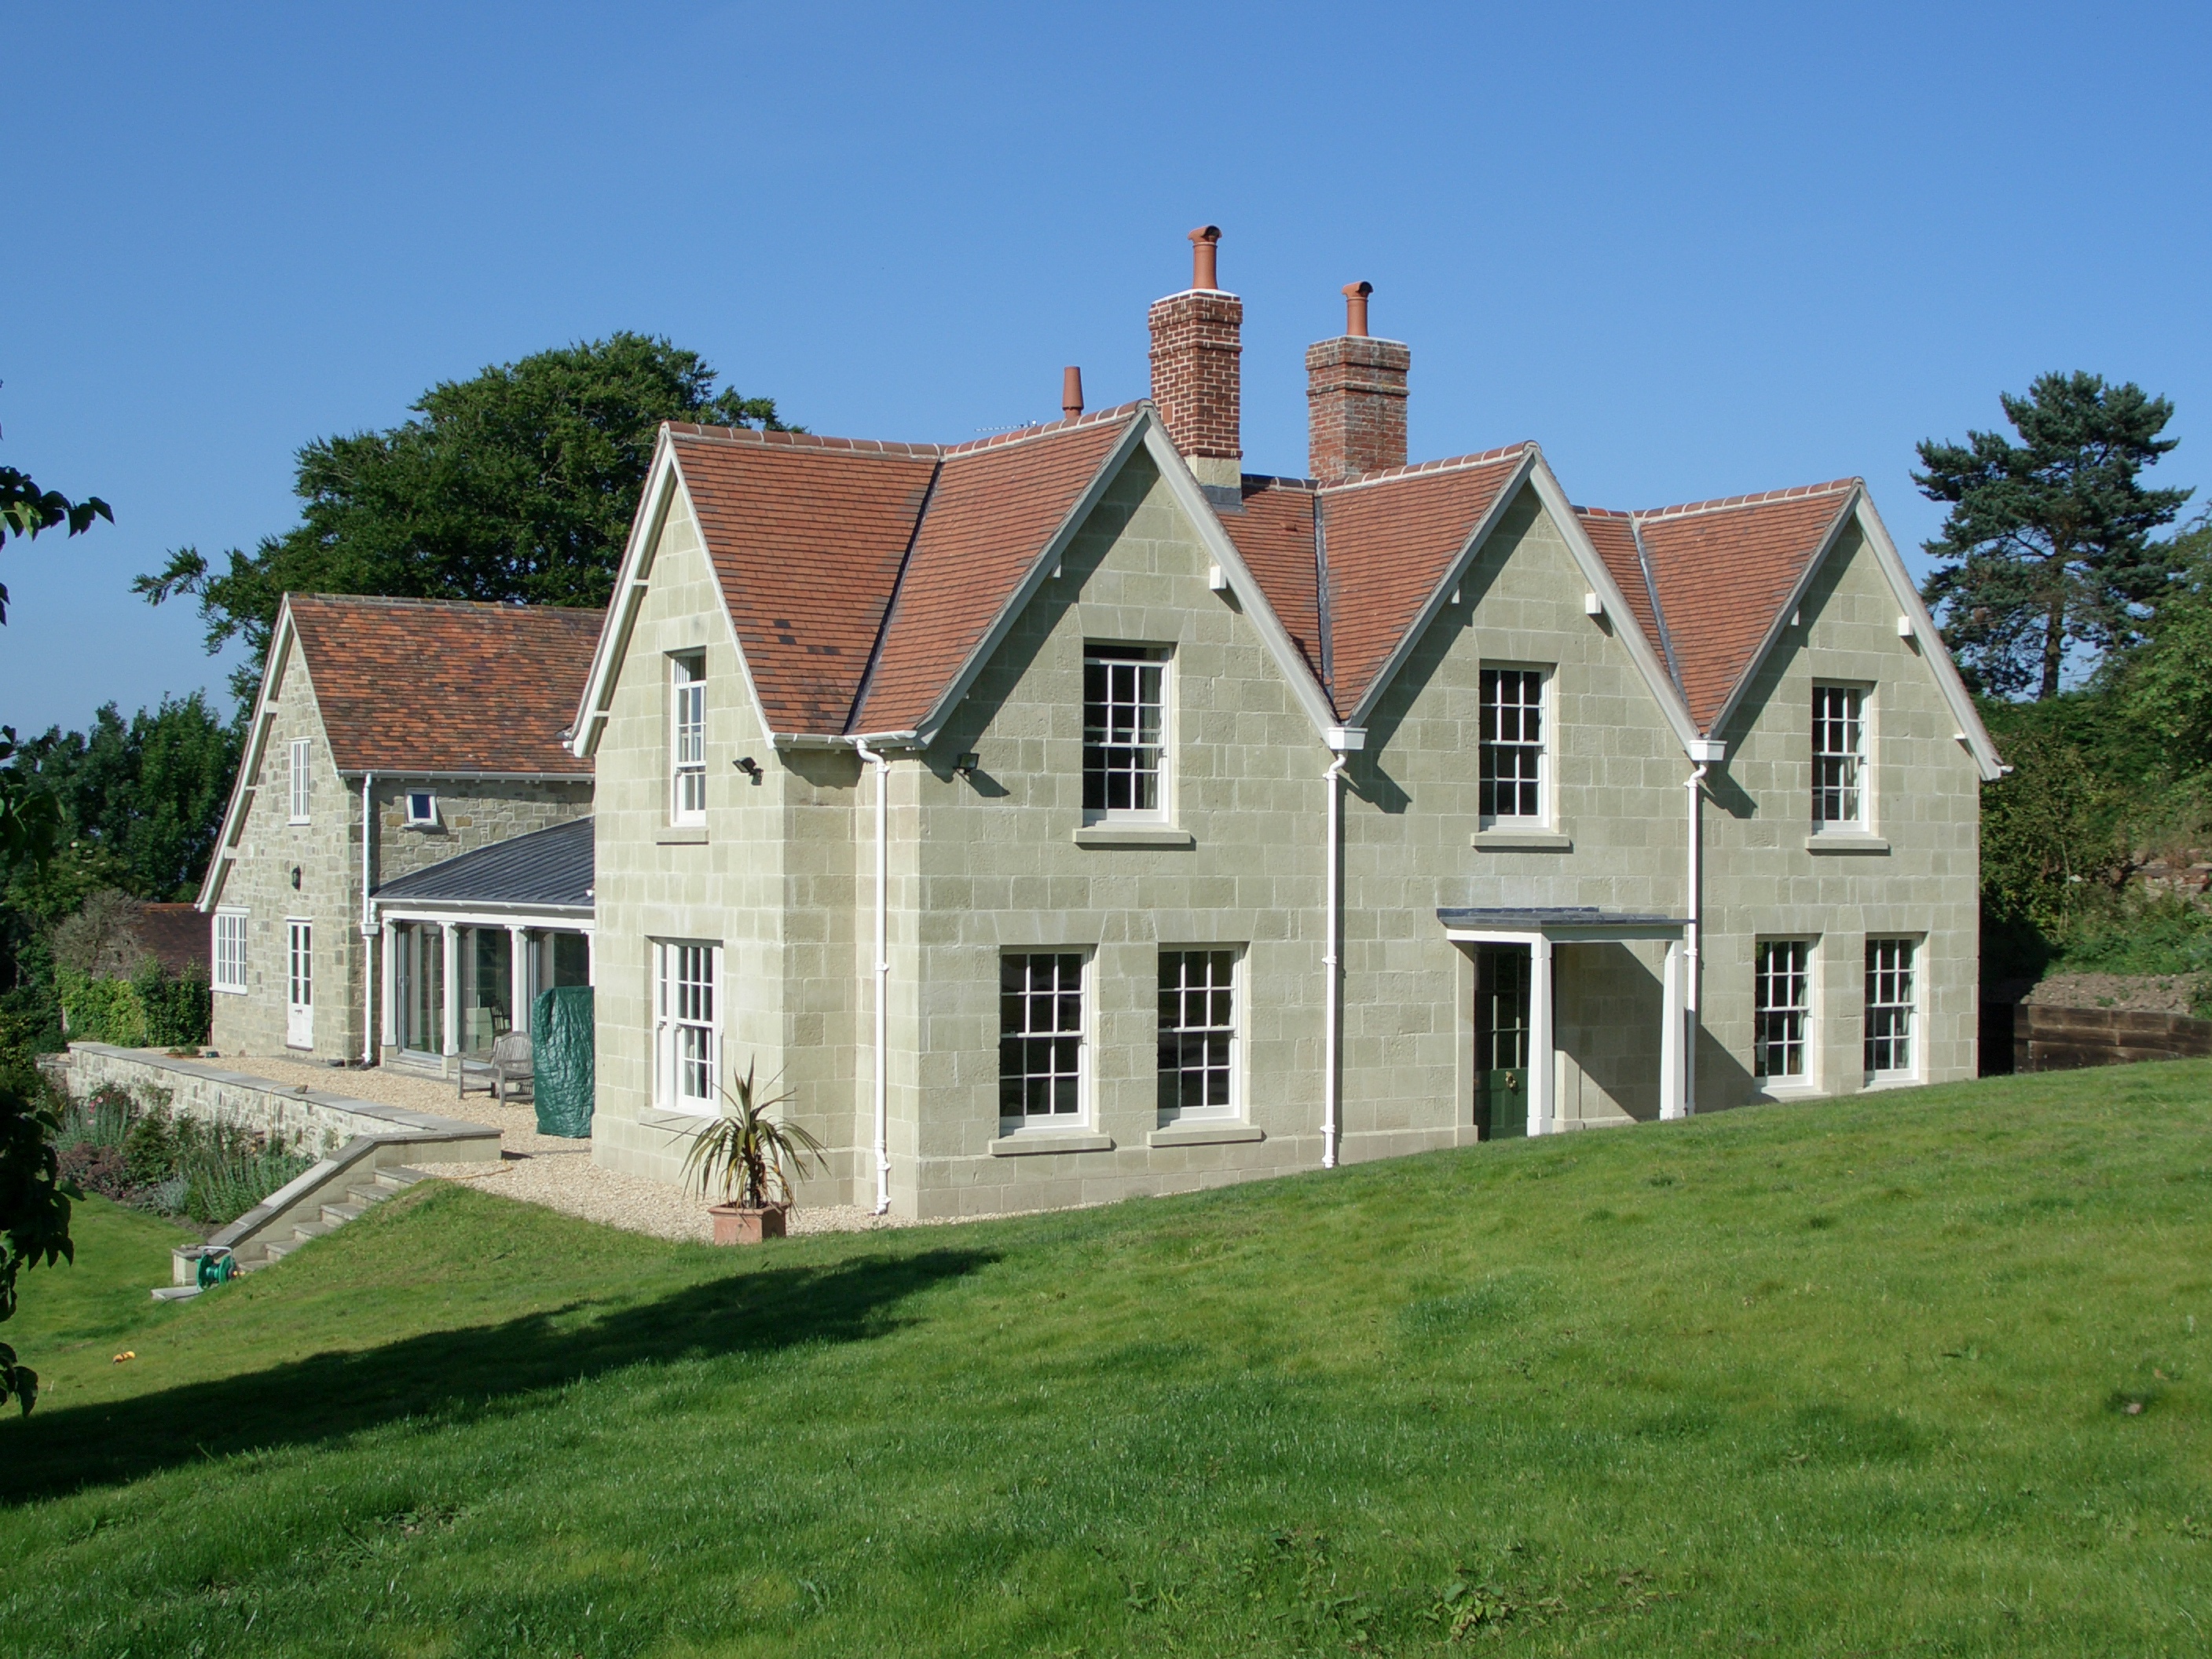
[2064, 1039]
[311, 1119]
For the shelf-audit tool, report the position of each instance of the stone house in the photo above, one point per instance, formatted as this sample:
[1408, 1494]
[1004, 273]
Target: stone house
[390, 736]
[1071, 815]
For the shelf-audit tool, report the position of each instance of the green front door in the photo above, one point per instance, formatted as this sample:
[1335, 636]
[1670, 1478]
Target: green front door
[1501, 1040]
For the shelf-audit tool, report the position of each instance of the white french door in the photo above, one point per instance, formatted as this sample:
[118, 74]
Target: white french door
[299, 985]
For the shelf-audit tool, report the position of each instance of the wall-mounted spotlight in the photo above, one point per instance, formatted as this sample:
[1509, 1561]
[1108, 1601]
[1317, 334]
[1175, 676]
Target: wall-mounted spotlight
[965, 764]
[295, 878]
[750, 767]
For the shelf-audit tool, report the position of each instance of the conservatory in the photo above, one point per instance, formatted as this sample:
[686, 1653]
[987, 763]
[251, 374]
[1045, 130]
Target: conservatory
[469, 942]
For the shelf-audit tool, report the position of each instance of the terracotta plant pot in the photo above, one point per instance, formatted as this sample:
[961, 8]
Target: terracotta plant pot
[735, 1224]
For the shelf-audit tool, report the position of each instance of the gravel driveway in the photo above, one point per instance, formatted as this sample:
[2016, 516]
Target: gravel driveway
[545, 1170]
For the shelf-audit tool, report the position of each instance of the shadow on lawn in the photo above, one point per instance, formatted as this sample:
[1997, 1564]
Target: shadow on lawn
[460, 1373]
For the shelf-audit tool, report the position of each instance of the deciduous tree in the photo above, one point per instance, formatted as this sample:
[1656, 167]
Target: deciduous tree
[518, 485]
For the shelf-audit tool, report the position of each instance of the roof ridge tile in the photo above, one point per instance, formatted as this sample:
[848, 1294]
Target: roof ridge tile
[1047, 428]
[1724, 503]
[1447, 464]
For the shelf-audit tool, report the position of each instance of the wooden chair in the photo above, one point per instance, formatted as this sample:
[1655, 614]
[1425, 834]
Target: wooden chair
[507, 1074]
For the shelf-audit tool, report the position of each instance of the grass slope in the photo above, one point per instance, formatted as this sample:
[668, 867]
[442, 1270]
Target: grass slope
[1811, 1380]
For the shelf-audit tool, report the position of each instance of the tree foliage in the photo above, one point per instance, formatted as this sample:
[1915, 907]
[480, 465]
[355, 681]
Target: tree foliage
[25, 509]
[519, 485]
[2048, 542]
[149, 792]
[34, 1210]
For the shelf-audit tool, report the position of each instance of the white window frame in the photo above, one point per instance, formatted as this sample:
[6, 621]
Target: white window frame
[1049, 1122]
[1232, 1109]
[1115, 654]
[673, 1067]
[1541, 819]
[1915, 1024]
[1855, 776]
[426, 819]
[229, 960]
[299, 778]
[1807, 1012]
[687, 738]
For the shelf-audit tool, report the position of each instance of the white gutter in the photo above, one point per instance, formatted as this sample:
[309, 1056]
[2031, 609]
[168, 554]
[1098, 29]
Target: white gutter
[1702, 754]
[367, 936]
[1343, 740]
[882, 766]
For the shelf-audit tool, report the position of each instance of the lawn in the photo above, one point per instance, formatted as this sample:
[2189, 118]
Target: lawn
[1920, 1373]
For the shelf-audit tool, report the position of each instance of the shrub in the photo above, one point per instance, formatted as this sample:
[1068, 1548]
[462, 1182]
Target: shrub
[151, 1009]
[140, 1153]
[149, 1150]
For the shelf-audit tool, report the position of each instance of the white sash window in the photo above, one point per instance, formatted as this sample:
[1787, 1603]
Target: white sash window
[687, 740]
[230, 951]
[687, 1007]
[303, 750]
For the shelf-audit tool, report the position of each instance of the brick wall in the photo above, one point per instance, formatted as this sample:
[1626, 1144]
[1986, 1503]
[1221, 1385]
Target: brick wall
[1355, 407]
[1197, 350]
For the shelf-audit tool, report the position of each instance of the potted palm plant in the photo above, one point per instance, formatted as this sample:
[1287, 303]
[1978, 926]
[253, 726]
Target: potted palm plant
[753, 1158]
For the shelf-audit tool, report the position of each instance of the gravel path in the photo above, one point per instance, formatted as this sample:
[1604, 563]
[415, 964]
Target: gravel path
[546, 1169]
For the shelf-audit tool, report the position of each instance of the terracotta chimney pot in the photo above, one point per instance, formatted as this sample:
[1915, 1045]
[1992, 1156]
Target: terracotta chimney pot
[1205, 244]
[1071, 392]
[1355, 308]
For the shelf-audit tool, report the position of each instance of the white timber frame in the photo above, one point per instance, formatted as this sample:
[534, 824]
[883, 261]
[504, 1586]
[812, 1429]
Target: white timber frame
[1539, 938]
[519, 922]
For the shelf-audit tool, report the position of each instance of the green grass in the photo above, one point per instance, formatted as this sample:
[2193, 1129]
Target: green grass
[1844, 1379]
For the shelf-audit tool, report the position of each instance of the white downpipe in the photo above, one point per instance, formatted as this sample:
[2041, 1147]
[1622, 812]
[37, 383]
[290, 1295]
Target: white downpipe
[1691, 970]
[1332, 980]
[882, 766]
[369, 932]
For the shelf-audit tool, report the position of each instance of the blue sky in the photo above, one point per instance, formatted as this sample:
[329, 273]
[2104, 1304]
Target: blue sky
[1691, 249]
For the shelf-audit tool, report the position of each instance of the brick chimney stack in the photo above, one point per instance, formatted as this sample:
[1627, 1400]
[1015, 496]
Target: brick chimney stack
[1197, 340]
[1355, 398]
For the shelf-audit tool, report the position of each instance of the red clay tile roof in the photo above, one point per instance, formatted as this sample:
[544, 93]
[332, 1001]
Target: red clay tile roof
[1275, 535]
[1390, 538]
[444, 688]
[806, 535]
[1614, 536]
[1723, 570]
[995, 508]
[812, 538]
[175, 935]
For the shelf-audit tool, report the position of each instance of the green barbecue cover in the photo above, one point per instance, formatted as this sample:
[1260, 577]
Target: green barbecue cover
[561, 1060]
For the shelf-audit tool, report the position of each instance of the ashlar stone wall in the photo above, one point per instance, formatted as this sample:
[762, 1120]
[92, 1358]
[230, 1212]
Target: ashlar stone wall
[326, 851]
[1917, 876]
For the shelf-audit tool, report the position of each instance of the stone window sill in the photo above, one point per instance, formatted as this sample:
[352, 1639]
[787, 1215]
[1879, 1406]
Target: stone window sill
[681, 834]
[1840, 843]
[1216, 1134]
[1135, 835]
[1024, 1143]
[1521, 840]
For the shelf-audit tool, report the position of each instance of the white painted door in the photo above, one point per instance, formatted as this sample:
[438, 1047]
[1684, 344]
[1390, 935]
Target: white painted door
[299, 985]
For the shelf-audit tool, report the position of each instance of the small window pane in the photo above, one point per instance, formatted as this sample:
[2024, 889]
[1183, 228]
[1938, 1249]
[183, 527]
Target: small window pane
[1198, 1031]
[688, 739]
[1782, 1004]
[1040, 1035]
[687, 1006]
[302, 755]
[1889, 1006]
[1510, 751]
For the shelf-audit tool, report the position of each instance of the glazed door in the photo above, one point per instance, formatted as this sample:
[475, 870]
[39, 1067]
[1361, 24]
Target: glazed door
[299, 985]
[1501, 1040]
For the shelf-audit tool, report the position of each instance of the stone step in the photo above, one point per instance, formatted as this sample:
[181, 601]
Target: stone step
[336, 1215]
[307, 1229]
[175, 1292]
[367, 1193]
[274, 1252]
[398, 1177]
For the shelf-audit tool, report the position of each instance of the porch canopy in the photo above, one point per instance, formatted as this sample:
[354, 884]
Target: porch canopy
[1539, 927]
[522, 910]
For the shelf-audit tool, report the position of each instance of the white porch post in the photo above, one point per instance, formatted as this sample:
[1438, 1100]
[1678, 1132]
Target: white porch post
[389, 1020]
[1671, 1095]
[518, 978]
[1543, 1086]
[450, 937]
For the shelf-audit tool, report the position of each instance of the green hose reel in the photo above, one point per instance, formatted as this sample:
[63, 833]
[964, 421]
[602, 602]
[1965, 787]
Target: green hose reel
[217, 1267]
